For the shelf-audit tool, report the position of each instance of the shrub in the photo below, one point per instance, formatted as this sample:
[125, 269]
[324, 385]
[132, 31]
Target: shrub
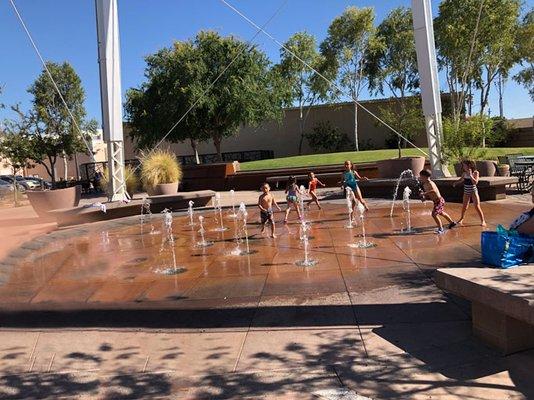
[132, 181]
[326, 137]
[158, 167]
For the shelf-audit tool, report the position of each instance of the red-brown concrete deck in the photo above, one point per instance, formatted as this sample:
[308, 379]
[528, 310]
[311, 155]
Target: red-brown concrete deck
[114, 266]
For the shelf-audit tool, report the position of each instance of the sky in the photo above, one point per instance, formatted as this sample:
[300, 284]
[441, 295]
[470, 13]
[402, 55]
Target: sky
[65, 30]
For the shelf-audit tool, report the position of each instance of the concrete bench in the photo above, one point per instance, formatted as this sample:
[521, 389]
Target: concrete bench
[174, 202]
[502, 303]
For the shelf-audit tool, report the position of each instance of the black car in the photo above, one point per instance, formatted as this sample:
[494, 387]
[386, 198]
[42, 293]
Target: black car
[21, 182]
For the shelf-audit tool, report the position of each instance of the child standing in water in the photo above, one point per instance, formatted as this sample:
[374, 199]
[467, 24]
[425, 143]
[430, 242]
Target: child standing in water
[312, 189]
[292, 197]
[265, 204]
[431, 192]
[469, 178]
[350, 178]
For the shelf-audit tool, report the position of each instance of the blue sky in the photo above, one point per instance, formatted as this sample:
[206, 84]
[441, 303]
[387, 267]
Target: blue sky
[65, 30]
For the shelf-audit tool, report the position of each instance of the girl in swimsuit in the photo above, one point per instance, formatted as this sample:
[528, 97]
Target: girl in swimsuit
[350, 178]
[292, 197]
[312, 187]
[469, 178]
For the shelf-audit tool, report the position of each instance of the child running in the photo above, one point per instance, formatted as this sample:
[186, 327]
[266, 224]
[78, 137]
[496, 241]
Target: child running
[312, 189]
[431, 192]
[469, 179]
[265, 204]
[292, 197]
[350, 179]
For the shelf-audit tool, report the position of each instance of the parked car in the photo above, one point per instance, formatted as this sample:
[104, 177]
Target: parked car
[41, 183]
[5, 188]
[22, 185]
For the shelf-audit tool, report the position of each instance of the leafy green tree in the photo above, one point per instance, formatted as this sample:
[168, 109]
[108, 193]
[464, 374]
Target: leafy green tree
[404, 116]
[305, 88]
[180, 78]
[476, 41]
[525, 44]
[392, 65]
[326, 137]
[51, 131]
[350, 39]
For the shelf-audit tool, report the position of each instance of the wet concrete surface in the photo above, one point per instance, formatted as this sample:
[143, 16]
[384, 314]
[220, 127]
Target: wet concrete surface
[105, 324]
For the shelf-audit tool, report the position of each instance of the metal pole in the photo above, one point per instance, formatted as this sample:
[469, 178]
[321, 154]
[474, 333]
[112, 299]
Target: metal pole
[429, 83]
[110, 92]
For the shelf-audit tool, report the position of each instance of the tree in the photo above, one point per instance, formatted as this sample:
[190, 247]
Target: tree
[392, 65]
[525, 44]
[404, 116]
[348, 43]
[305, 88]
[476, 44]
[180, 79]
[51, 131]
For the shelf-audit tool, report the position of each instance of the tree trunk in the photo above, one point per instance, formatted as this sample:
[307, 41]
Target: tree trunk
[194, 145]
[301, 129]
[217, 143]
[65, 168]
[501, 89]
[15, 187]
[356, 144]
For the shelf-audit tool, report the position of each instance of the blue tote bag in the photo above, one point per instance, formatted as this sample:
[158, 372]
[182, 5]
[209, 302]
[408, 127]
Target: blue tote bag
[505, 249]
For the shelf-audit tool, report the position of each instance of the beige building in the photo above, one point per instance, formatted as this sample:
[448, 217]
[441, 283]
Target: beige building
[283, 137]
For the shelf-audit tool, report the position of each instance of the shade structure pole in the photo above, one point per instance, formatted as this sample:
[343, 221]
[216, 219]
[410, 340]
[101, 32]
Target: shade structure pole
[429, 84]
[107, 23]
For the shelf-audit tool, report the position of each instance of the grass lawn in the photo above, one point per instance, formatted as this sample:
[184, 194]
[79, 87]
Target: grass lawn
[359, 157]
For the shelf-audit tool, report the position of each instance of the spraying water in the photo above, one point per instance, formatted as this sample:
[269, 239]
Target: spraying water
[362, 244]
[244, 214]
[191, 212]
[302, 193]
[406, 206]
[404, 173]
[232, 199]
[218, 213]
[307, 261]
[203, 242]
[168, 241]
[348, 198]
[146, 216]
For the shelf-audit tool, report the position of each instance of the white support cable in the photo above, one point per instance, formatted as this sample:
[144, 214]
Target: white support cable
[331, 83]
[244, 47]
[52, 79]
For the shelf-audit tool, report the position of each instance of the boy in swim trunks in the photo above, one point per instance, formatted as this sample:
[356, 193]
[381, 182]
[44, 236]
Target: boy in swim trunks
[265, 204]
[431, 192]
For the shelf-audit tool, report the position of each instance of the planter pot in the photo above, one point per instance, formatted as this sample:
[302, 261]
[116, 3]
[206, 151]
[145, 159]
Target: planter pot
[163, 189]
[503, 170]
[486, 167]
[393, 168]
[43, 201]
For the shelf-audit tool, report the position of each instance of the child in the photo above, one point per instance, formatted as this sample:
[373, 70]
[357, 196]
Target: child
[312, 187]
[292, 197]
[350, 179]
[265, 204]
[431, 192]
[470, 178]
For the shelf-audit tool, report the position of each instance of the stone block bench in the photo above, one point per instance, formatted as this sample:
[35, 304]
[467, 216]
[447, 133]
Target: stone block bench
[84, 214]
[502, 303]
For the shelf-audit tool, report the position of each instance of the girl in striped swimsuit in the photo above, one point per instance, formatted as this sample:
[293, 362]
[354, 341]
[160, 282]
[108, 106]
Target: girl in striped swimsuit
[469, 178]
